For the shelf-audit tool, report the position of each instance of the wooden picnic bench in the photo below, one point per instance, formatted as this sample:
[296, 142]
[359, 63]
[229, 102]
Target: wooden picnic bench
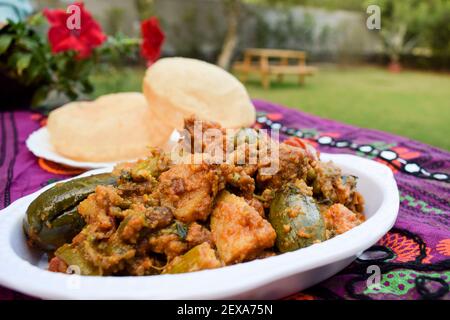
[268, 62]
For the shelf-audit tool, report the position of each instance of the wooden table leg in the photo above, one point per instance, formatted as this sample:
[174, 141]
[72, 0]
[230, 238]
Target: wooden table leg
[265, 80]
[284, 62]
[301, 79]
[247, 65]
[265, 75]
[280, 78]
[244, 76]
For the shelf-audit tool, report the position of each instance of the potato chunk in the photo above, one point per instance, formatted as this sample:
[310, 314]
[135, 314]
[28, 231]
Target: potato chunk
[339, 219]
[189, 190]
[239, 231]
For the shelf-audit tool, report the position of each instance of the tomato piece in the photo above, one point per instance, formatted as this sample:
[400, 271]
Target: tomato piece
[305, 145]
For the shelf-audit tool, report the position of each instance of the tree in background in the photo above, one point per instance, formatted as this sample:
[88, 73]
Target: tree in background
[437, 28]
[234, 10]
[408, 24]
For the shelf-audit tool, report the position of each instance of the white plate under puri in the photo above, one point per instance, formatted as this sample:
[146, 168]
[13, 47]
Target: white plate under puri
[39, 144]
[23, 269]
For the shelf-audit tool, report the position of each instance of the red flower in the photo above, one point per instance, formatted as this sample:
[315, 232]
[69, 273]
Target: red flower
[83, 39]
[152, 39]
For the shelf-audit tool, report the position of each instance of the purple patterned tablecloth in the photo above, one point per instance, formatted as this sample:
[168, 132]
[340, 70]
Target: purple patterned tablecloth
[414, 257]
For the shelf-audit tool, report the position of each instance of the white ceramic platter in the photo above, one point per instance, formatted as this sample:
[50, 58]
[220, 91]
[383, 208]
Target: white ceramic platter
[23, 269]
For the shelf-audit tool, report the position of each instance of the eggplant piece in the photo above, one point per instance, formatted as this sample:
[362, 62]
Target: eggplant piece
[296, 219]
[52, 218]
[96, 258]
[74, 257]
[198, 258]
[61, 230]
[149, 168]
[150, 220]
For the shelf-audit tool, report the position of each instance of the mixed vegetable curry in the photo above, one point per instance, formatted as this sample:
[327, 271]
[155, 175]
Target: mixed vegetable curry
[157, 216]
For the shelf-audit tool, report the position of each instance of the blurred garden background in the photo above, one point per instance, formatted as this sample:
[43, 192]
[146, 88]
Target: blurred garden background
[395, 79]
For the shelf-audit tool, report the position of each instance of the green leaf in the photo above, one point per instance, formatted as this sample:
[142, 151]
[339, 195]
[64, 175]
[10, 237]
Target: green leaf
[181, 230]
[39, 96]
[5, 42]
[87, 86]
[23, 62]
[34, 73]
[36, 19]
[28, 44]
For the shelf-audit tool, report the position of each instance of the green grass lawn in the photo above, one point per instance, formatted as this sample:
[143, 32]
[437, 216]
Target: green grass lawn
[411, 104]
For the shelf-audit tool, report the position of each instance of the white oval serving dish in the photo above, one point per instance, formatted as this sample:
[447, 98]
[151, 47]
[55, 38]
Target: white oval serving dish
[23, 269]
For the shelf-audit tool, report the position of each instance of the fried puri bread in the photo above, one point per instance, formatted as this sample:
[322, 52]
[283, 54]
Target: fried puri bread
[112, 128]
[179, 87]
